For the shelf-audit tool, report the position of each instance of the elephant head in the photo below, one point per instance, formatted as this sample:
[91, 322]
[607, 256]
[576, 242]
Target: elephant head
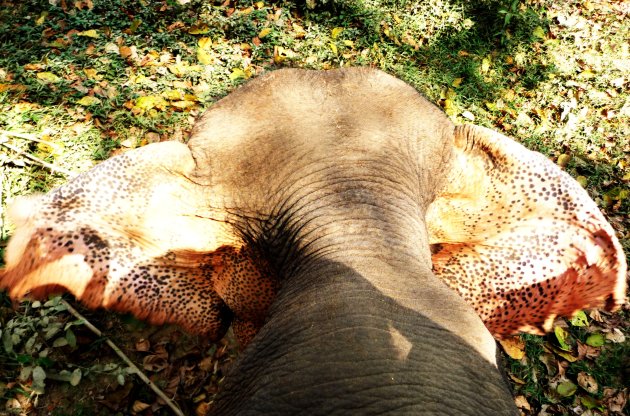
[325, 215]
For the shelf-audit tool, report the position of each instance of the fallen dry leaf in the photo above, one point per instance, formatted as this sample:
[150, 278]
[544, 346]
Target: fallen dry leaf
[48, 77]
[139, 406]
[586, 351]
[154, 363]
[514, 347]
[587, 382]
[143, 345]
[616, 336]
[615, 400]
[521, 403]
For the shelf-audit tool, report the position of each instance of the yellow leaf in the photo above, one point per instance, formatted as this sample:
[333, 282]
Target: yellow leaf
[266, 31]
[183, 104]
[539, 32]
[48, 77]
[199, 29]
[260, 4]
[280, 54]
[46, 145]
[299, 31]
[237, 73]
[24, 107]
[336, 32]
[88, 100]
[564, 354]
[139, 407]
[42, 17]
[562, 335]
[450, 108]
[490, 106]
[89, 34]
[92, 73]
[408, 40]
[128, 143]
[204, 57]
[509, 94]
[457, 82]
[582, 180]
[149, 102]
[485, 65]
[181, 85]
[172, 95]
[178, 69]
[563, 160]
[205, 43]
[348, 43]
[516, 379]
[514, 347]
[333, 47]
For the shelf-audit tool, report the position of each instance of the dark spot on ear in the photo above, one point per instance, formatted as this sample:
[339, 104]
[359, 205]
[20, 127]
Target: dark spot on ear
[435, 248]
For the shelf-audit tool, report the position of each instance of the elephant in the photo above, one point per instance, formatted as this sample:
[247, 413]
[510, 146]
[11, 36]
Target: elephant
[364, 248]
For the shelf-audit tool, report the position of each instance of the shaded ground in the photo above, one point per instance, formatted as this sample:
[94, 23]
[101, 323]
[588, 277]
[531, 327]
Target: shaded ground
[82, 80]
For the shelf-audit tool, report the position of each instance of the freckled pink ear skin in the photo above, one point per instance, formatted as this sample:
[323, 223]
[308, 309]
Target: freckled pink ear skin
[109, 237]
[519, 239]
[136, 235]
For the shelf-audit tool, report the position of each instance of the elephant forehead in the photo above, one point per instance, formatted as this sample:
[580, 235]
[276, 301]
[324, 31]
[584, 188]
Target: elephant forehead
[311, 122]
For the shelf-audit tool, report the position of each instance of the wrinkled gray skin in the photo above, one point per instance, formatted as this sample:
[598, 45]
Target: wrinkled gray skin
[330, 175]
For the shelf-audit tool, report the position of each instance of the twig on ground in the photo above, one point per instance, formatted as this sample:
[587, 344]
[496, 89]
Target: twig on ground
[35, 159]
[26, 136]
[126, 359]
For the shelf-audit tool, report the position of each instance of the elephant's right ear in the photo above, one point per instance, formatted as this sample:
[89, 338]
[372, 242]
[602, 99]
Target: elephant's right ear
[519, 239]
[109, 236]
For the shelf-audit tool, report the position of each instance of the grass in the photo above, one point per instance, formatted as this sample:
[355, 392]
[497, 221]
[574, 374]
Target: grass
[94, 78]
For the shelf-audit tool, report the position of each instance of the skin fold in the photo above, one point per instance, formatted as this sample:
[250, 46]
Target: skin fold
[356, 240]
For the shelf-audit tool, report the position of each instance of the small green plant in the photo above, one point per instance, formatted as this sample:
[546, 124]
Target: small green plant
[29, 339]
[30, 344]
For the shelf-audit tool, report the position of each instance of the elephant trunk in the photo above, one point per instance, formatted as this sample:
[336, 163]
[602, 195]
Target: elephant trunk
[333, 332]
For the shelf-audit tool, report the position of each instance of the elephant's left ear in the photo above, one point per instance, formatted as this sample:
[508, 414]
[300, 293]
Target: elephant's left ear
[519, 239]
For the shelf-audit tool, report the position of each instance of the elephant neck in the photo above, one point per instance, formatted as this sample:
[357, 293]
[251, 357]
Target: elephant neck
[386, 245]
